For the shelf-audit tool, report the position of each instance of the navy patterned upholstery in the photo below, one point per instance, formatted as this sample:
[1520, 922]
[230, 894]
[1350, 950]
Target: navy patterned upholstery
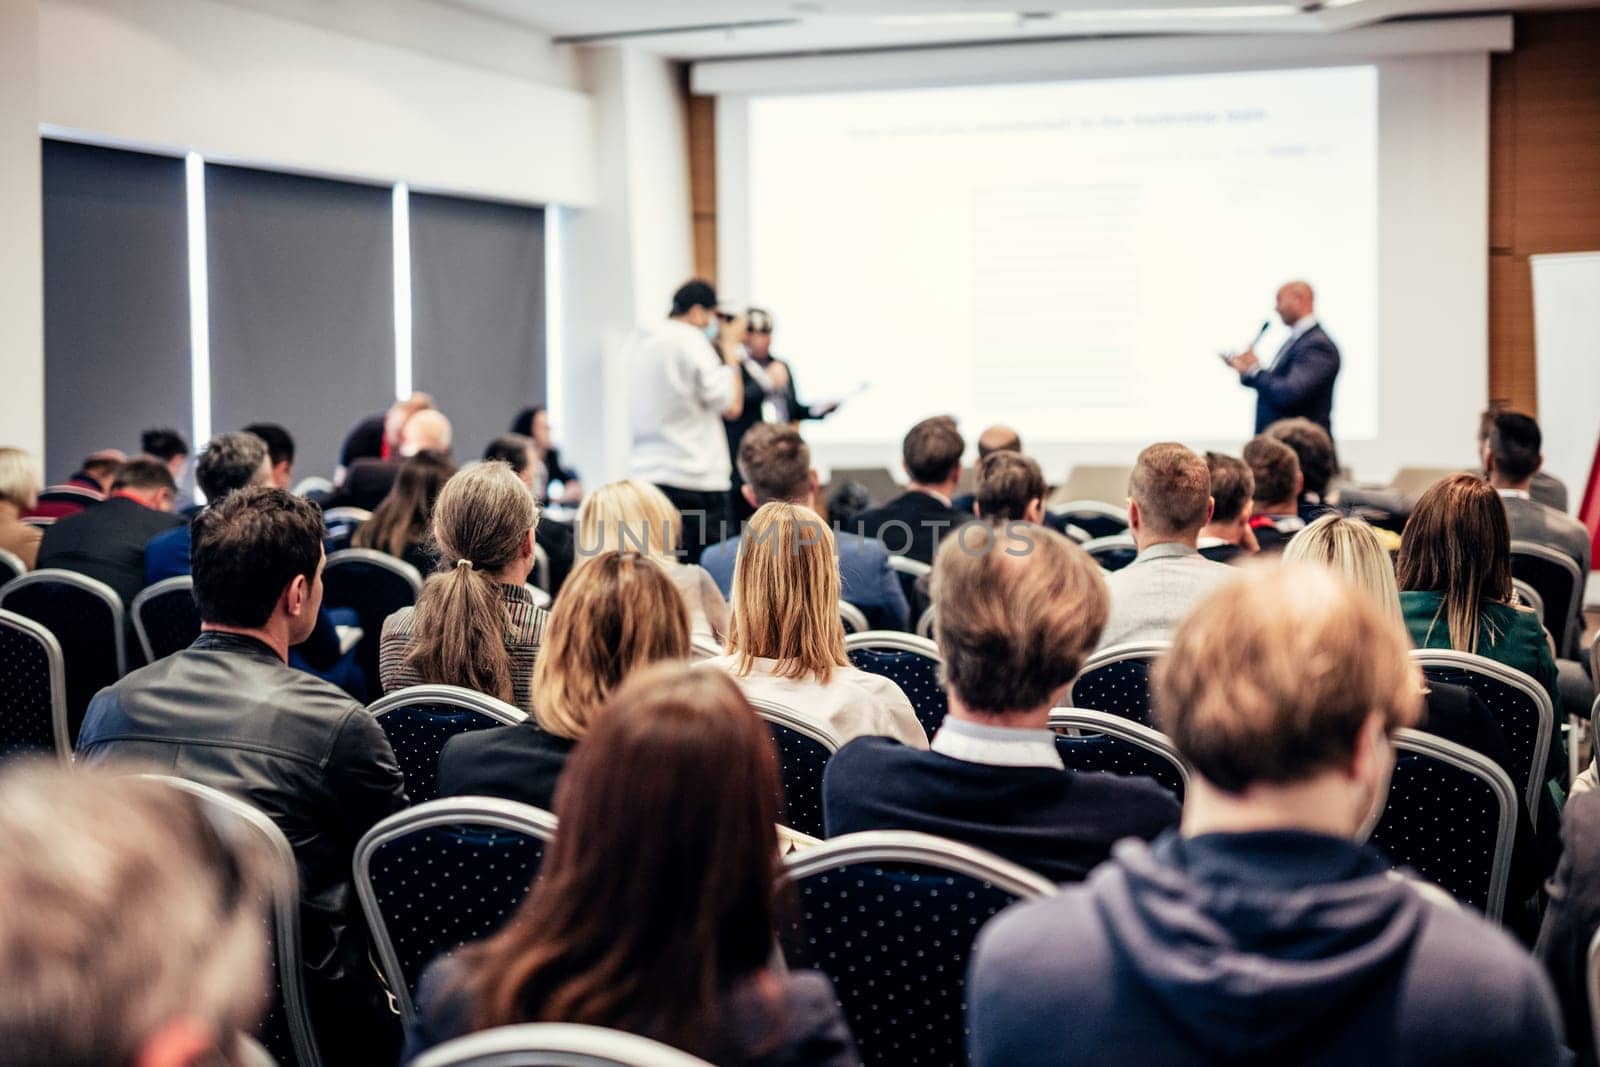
[915, 672]
[375, 586]
[435, 877]
[166, 617]
[1518, 714]
[1094, 523]
[419, 720]
[801, 761]
[893, 929]
[86, 624]
[31, 684]
[1120, 756]
[1446, 819]
[1121, 688]
[1112, 553]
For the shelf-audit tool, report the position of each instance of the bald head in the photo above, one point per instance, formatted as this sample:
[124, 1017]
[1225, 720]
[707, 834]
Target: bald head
[1295, 301]
[426, 431]
[998, 439]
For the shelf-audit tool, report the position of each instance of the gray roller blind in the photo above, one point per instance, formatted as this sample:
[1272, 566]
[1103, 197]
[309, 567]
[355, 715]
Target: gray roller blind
[116, 300]
[302, 305]
[478, 309]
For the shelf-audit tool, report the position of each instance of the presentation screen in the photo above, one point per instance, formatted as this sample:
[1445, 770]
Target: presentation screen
[1069, 258]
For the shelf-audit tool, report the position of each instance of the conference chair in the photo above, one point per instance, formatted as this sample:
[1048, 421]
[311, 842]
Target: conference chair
[1117, 680]
[804, 748]
[563, 1044]
[890, 917]
[1559, 582]
[1093, 517]
[1451, 817]
[909, 570]
[541, 568]
[436, 876]
[70, 494]
[165, 617]
[375, 585]
[853, 618]
[341, 524]
[925, 624]
[1528, 597]
[312, 486]
[419, 719]
[86, 618]
[1112, 553]
[1518, 703]
[1094, 741]
[909, 661]
[286, 1031]
[33, 698]
[11, 566]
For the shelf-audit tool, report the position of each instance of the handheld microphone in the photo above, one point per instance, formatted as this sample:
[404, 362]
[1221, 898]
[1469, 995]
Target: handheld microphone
[1266, 324]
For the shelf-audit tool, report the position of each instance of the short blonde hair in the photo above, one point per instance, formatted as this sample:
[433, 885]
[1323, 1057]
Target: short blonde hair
[1272, 676]
[19, 479]
[786, 594]
[1351, 548]
[629, 516]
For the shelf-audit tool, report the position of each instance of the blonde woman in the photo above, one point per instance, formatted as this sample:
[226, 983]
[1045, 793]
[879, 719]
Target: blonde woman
[19, 493]
[635, 516]
[616, 614]
[1351, 548]
[475, 624]
[787, 644]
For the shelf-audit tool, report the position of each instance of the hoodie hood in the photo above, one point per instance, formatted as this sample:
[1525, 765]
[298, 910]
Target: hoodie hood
[1256, 942]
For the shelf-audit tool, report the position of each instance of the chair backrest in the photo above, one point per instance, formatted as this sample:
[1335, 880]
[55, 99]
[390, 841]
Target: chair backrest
[1102, 742]
[1528, 596]
[1094, 517]
[925, 624]
[375, 585]
[909, 661]
[1559, 583]
[555, 1045]
[1518, 703]
[890, 916]
[701, 648]
[541, 568]
[1117, 680]
[419, 719]
[1112, 553]
[853, 618]
[165, 617]
[286, 1031]
[86, 618]
[313, 484]
[342, 523]
[915, 568]
[438, 875]
[1450, 816]
[11, 566]
[33, 690]
[804, 748]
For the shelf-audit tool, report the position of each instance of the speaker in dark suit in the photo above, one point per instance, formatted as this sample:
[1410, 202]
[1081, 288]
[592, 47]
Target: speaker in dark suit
[1299, 380]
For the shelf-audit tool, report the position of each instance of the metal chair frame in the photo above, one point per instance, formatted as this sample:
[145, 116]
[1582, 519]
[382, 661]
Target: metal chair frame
[1569, 617]
[454, 695]
[379, 559]
[853, 618]
[89, 585]
[147, 594]
[555, 1045]
[345, 514]
[926, 624]
[1098, 508]
[784, 715]
[58, 678]
[447, 811]
[312, 484]
[909, 846]
[1528, 595]
[1146, 650]
[893, 641]
[11, 562]
[1134, 733]
[1114, 541]
[906, 565]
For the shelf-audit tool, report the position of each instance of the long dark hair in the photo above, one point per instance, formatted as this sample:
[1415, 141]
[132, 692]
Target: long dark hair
[657, 895]
[401, 519]
[1457, 543]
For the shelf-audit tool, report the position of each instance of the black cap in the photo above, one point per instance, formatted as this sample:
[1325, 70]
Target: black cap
[696, 293]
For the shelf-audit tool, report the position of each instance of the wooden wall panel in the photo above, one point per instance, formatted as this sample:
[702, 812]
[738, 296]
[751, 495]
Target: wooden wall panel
[703, 183]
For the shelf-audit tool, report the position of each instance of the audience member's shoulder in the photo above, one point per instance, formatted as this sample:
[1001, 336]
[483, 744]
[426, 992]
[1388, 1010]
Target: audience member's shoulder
[861, 754]
[1143, 807]
[1473, 966]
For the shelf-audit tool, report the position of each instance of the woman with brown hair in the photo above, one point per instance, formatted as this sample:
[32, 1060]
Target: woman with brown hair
[399, 525]
[1455, 580]
[654, 910]
[786, 643]
[617, 613]
[475, 624]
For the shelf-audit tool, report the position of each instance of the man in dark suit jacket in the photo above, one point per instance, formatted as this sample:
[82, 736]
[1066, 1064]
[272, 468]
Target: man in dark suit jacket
[913, 523]
[107, 541]
[1299, 381]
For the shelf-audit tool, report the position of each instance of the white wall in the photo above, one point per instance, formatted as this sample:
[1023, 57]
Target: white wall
[21, 247]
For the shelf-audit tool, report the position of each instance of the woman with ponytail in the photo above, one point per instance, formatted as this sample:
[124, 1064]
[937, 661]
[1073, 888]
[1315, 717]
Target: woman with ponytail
[475, 624]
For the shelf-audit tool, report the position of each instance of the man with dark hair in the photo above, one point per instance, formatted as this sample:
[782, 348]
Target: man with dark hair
[88, 485]
[229, 712]
[168, 446]
[1169, 501]
[1313, 448]
[994, 439]
[914, 523]
[1262, 931]
[1276, 500]
[1543, 486]
[1010, 488]
[521, 454]
[230, 461]
[1228, 535]
[107, 541]
[1019, 608]
[686, 381]
[775, 464]
[534, 423]
[280, 447]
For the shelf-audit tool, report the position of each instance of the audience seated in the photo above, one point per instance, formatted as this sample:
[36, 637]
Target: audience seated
[634, 515]
[107, 541]
[1169, 502]
[131, 934]
[1262, 933]
[775, 464]
[786, 644]
[167, 445]
[368, 481]
[229, 712]
[1228, 536]
[1011, 488]
[845, 502]
[280, 447]
[399, 524]
[913, 523]
[992, 440]
[1319, 462]
[534, 423]
[555, 538]
[229, 461]
[1543, 487]
[378, 436]
[654, 911]
[88, 485]
[619, 614]
[19, 493]
[1016, 620]
[476, 624]
[1276, 500]
[1455, 580]
[1572, 917]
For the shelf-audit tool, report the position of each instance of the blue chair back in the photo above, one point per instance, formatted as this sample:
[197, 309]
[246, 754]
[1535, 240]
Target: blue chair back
[1112, 553]
[1110, 743]
[910, 662]
[86, 618]
[419, 719]
[804, 748]
[1117, 680]
[374, 585]
[33, 690]
[165, 617]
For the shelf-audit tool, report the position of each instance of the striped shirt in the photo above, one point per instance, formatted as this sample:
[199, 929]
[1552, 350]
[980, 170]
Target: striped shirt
[525, 622]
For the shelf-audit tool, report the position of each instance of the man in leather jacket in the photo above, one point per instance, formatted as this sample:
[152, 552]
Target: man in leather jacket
[229, 712]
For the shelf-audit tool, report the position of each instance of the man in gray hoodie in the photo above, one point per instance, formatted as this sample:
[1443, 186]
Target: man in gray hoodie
[1260, 932]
